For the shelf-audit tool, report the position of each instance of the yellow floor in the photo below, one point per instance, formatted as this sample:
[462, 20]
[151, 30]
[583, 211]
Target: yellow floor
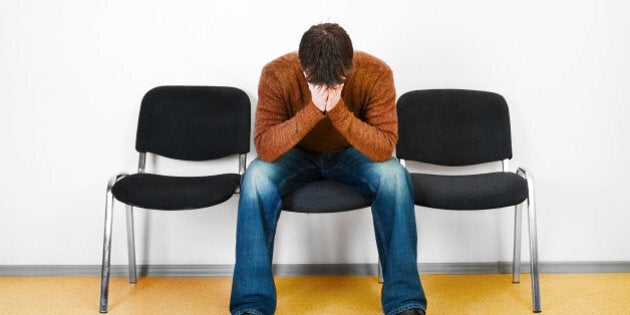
[447, 294]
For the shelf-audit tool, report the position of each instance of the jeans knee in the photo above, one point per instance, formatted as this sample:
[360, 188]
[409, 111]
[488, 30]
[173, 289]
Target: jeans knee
[257, 175]
[392, 175]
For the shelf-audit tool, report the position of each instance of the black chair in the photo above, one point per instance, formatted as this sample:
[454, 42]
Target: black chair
[193, 123]
[464, 127]
[326, 196]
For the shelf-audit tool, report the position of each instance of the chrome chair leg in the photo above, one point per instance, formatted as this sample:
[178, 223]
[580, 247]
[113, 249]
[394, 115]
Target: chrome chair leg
[533, 242]
[380, 272]
[516, 260]
[533, 251]
[107, 238]
[131, 247]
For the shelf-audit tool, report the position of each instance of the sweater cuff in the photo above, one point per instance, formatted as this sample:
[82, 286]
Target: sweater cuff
[309, 116]
[312, 112]
[339, 112]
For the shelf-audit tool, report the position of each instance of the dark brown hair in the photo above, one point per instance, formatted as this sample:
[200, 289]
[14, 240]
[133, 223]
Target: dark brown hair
[326, 54]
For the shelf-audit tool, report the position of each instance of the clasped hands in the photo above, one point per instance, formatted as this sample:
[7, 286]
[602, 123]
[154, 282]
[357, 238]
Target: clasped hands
[325, 98]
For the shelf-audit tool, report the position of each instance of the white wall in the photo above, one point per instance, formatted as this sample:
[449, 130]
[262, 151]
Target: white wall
[72, 74]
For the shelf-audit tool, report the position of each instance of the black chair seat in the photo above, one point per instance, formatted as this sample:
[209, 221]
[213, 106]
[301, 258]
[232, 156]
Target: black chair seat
[160, 192]
[325, 196]
[469, 192]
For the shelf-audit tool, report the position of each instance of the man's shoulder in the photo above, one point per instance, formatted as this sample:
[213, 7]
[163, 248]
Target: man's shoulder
[286, 62]
[369, 67]
[363, 60]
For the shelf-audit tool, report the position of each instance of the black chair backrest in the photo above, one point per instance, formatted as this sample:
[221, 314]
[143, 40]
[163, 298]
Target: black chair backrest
[453, 127]
[194, 123]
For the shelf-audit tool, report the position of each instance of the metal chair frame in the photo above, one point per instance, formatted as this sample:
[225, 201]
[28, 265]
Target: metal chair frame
[379, 267]
[533, 238]
[131, 247]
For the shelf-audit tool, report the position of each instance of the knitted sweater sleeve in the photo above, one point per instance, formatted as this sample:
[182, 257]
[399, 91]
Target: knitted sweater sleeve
[276, 132]
[375, 135]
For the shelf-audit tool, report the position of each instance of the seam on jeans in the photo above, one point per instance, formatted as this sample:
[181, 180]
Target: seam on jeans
[377, 222]
[272, 238]
[406, 308]
[379, 230]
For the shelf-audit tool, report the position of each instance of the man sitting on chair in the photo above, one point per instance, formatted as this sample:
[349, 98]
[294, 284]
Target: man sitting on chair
[326, 112]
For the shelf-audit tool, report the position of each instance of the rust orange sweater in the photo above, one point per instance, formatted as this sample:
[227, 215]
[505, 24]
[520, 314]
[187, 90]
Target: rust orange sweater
[364, 118]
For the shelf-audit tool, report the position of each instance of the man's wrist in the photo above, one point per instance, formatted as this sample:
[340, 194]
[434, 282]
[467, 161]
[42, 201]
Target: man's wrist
[314, 109]
[339, 110]
[319, 109]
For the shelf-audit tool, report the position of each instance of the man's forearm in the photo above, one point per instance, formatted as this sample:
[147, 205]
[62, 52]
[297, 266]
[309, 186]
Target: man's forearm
[274, 137]
[376, 142]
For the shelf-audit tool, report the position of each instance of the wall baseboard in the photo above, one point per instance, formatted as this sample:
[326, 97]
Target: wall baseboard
[310, 269]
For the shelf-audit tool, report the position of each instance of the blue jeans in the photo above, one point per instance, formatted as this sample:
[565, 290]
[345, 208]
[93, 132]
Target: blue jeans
[262, 188]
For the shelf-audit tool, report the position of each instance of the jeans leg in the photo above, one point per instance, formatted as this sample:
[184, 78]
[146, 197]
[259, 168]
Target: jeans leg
[262, 188]
[389, 184]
